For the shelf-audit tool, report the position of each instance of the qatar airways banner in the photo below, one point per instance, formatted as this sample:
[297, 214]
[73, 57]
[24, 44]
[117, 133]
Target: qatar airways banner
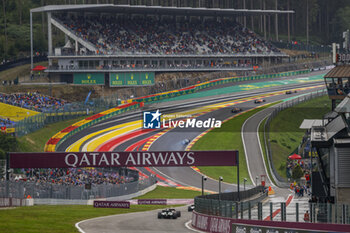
[123, 159]
[112, 204]
[216, 224]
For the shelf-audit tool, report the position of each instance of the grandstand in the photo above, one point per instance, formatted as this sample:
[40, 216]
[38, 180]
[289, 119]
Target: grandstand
[14, 113]
[106, 38]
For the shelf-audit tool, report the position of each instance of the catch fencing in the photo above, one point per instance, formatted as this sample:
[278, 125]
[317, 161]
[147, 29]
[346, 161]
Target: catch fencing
[21, 189]
[281, 181]
[67, 112]
[253, 208]
[161, 90]
[228, 204]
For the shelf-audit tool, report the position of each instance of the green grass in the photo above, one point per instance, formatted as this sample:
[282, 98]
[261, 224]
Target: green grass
[18, 71]
[169, 193]
[285, 135]
[228, 137]
[52, 219]
[262, 142]
[35, 142]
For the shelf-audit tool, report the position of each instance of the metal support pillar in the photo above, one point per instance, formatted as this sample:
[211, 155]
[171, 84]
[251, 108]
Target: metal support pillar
[244, 17]
[297, 212]
[307, 22]
[76, 47]
[259, 211]
[329, 213]
[237, 162]
[241, 210]
[288, 21]
[49, 34]
[249, 211]
[276, 22]
[271, 211]
[264, 20]
[31, 41]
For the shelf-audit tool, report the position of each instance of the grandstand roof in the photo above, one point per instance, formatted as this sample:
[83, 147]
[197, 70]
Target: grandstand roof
[156, 10]
[342, 71]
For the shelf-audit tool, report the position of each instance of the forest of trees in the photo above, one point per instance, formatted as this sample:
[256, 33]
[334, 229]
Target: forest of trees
[326, 19]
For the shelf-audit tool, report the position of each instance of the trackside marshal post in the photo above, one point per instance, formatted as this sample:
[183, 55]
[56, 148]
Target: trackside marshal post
[123, 159]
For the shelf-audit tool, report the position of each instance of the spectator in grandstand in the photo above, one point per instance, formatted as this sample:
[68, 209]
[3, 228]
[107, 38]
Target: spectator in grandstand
[75, 176]
[6, 122]
[112, 35]
[33, 100]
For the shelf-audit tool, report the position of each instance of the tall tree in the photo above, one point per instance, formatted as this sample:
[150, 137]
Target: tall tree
[5, 28]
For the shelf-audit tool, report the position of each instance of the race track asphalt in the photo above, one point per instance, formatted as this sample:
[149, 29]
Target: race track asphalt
[172, 140]
[140, 222]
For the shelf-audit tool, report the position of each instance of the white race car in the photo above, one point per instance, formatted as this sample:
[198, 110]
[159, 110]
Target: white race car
[169, 213]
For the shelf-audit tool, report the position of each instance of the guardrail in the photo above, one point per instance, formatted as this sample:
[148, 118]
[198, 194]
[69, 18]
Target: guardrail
[281, 181]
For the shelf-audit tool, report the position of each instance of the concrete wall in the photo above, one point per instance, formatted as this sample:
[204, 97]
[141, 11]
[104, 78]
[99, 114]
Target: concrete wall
[342, 195]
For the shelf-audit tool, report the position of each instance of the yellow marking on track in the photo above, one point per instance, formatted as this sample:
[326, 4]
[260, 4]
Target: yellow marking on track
[76, 145]
[93, 144]
[193, 113]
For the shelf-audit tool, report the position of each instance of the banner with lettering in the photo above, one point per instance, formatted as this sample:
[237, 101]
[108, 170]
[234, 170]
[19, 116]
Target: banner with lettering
[217, 224]
[131, 79]
[123, 159]
[89, 78]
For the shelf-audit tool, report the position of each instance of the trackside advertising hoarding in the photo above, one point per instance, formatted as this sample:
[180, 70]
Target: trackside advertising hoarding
[215, 224]
[112, 204]
[152, 201]
[123, 159]
[89, 78]
[131, 79]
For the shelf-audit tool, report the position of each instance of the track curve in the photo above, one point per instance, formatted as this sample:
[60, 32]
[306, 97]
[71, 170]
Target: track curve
[171, 140]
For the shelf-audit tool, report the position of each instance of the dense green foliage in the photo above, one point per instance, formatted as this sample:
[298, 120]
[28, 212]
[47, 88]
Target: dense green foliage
[297, 172]
[228, 137]
[327, 20]
[285, 138]
[7, 143]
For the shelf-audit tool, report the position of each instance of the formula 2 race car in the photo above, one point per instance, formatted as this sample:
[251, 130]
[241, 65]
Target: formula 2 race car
[190, 208]
[169, 213]
[259, 101]
[290, 92]
[236, 110]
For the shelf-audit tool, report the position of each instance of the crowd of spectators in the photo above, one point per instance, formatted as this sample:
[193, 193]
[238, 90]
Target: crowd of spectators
[112, 35]
[6, 122]
[32, 100]
[242, 64]
[76, 176]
